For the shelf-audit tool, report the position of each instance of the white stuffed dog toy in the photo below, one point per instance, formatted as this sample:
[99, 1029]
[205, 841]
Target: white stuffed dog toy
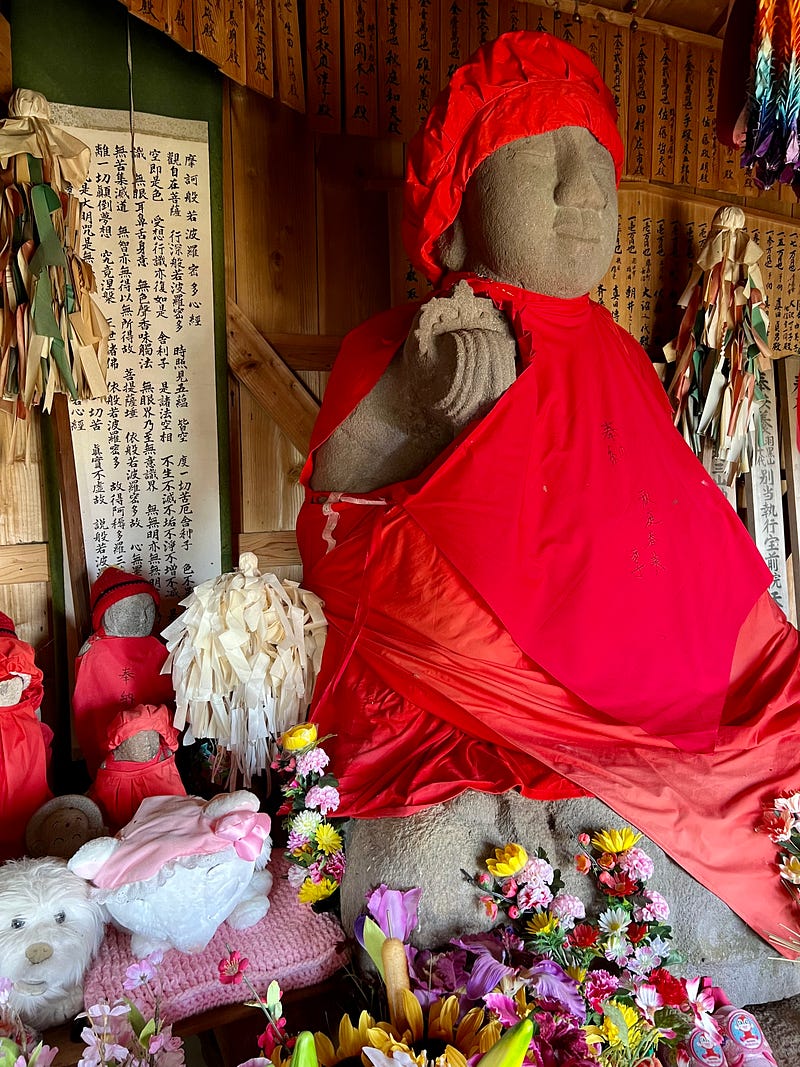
[180, 868]
[49, 931]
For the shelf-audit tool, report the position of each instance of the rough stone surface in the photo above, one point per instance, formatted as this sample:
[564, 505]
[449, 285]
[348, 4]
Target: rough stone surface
[430, 849]
[781, 1025]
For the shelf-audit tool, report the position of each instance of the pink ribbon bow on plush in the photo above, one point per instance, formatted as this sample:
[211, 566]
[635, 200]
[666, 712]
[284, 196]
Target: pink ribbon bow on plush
[246, 830]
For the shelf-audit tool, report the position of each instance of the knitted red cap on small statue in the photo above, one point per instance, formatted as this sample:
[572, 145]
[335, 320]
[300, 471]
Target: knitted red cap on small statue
[24, 740]
[119, 667]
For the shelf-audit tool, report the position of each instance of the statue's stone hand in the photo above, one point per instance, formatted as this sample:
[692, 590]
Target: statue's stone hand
[460, 357]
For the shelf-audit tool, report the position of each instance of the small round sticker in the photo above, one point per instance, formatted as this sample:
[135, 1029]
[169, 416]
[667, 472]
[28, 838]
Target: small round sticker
[706, 1050]
[744, 1030]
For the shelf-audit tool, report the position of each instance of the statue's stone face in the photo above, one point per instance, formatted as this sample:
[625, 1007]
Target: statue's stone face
[541, 214]
[131, 617]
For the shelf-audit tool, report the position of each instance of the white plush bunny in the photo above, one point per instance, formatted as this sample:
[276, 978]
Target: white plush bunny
[180, 868]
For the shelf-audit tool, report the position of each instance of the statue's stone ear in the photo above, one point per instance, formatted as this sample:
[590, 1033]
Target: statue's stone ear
[452, 247]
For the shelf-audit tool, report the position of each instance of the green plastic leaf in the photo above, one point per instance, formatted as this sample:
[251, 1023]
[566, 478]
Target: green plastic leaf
[373, 943]
[305, 1053]
[136, 1019]
[614, 1015]
[9, 1051]
[147, 1032]
[510, 1050]
[274, 1000]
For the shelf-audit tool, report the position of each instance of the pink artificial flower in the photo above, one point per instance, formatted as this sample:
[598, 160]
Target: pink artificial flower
[232, 968]
[138, 974]
[483, 878]
[568, 908]
[533, 895]
[536, 870]
[6, 985]
[648, 1000]
[701, 1004]
[335, 866]
[324, 797]
[509, 888]
[313, 762]
[584, 839]
[582, 863]
[598, 987]
[637, 864]
[513, 912]
[296, 875]
[655, 910]
[490, 907]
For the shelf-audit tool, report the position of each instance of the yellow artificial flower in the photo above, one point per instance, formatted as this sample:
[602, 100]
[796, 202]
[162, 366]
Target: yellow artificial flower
[328, 840]
[578, 973]
[615, 841]
[544, 922]
[300, 736]
[508, 861]
[609, 1035]
[311, 892]
[351, 1041]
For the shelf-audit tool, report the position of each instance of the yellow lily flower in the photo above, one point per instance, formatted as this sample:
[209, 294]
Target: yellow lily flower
[508, 861]
[615, 841]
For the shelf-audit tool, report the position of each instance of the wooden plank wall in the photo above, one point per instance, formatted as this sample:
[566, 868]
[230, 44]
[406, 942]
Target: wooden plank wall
[313, 232]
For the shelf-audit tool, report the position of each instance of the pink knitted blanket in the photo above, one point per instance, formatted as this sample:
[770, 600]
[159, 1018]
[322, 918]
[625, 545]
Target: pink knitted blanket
[291, 944]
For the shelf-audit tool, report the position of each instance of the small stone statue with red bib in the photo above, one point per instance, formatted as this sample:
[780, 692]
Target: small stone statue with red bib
[120, 665]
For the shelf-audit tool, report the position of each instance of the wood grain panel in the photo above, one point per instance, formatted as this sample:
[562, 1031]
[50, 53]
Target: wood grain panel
[453, 37]
[482, 22]
[288, 54]
[359, 62]
[639, 154]
[180, 22]
[392, 68]
[274, 548]
[253, 360]
[352, 225]
[665, 91]
[21, 488]
[23, 563]
[209, 30]
[424, 51]
[153, 12]
[28, 605]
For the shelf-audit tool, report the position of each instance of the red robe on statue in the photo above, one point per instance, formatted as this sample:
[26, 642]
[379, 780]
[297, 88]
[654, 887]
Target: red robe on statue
[562, 602]
[112, 675]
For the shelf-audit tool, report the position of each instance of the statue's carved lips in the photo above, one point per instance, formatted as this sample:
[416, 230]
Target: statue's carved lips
[590, 236]
[582, 224]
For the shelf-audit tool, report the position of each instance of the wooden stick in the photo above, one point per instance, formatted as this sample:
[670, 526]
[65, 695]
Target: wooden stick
[620, 18]
[71, 517]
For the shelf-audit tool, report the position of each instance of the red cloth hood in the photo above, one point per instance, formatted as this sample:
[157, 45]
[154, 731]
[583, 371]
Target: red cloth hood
[16, 657]
[132, 721]
[518, 85]
[113, 585]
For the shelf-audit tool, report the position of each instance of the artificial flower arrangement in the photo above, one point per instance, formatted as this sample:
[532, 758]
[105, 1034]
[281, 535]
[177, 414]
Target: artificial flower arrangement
[590, 991]
[780, 820]
[128, 1033]
[310, 793]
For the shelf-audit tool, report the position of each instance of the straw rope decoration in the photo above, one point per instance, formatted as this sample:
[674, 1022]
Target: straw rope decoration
[244, 657]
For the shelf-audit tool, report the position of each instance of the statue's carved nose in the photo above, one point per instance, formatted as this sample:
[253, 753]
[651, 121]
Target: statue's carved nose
[39, 952]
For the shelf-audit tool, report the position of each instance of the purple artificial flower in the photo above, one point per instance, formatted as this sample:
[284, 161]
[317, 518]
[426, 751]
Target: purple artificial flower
[335, 865]
[553, 986]
[559, 1041]
[435, 975]
[395, 911]
[489, 968]
[295, 841]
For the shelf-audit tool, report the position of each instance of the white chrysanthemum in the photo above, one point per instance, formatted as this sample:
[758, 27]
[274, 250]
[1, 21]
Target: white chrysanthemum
[306, 823]
[614, 921]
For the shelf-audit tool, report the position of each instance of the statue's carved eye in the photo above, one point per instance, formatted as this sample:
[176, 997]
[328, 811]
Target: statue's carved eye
[17, 924]
[61, 917]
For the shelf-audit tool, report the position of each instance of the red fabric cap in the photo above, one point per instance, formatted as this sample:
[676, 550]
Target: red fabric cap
[516, 86]
[113, 585]
[16, 657]
[7, 625]
[133, 721]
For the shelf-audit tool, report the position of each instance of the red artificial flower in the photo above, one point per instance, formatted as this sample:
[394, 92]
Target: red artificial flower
[513, 912]
[671, 989]
[617, 885]
[232, 968]
[582, 864]
[777, 824]
[636, 932]
[583, 935]
[270, 1039]
[284, 809]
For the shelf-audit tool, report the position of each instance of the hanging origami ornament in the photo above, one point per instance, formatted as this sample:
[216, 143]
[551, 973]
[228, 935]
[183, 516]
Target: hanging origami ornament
[244, 657]
[771, 147]
[53, 337]
[722, 345]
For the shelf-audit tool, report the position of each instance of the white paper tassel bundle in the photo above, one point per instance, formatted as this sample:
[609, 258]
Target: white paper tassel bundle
[244, 657]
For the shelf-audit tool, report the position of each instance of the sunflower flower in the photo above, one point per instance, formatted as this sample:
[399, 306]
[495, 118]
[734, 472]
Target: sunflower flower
[508, 861]
[444, 1041]
[351, 1042]
[615, 841]
[328, 840]
[544, 922]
